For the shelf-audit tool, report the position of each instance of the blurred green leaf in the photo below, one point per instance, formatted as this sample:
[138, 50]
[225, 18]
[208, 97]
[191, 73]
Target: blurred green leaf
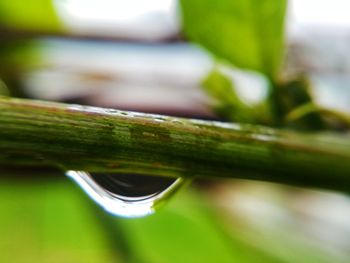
[37, 15]
[227, 103]
[186, 231]
[248, 33]
[49, 221]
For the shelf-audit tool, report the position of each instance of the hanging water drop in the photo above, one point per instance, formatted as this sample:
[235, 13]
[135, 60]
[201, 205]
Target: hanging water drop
[124, 194]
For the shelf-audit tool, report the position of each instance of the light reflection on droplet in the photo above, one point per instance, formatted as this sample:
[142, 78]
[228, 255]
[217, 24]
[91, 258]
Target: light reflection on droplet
[124, 199]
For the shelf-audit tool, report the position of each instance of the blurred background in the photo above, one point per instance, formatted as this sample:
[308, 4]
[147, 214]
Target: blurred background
[133, 55]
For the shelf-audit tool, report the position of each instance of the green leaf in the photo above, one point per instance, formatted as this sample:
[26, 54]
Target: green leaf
[186, 231]
[49, 221]
[34, 15]
[248, 33]
[227, 103]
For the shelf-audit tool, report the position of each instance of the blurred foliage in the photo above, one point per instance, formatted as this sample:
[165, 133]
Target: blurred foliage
[4, 89]
[47, 221]
[339, 119]
[248, 33]
[39, 15]
[51, 221]
[228, 104]
[292, 95]
[17, 55]
[186, 231]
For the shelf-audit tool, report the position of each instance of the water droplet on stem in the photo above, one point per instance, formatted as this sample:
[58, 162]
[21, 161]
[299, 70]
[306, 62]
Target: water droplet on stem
[126, 195]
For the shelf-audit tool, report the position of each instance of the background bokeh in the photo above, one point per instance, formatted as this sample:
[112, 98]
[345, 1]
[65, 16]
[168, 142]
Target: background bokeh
[132, 55]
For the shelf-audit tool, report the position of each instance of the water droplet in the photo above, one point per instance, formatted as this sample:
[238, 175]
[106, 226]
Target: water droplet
[124, 194]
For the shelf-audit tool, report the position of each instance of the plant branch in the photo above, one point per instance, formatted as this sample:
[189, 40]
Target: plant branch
[74, 137]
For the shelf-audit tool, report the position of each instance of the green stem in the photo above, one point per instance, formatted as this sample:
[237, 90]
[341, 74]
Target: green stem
[310, 108]
[94, 139]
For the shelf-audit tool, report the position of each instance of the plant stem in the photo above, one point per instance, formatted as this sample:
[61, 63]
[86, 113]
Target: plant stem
[74, 137]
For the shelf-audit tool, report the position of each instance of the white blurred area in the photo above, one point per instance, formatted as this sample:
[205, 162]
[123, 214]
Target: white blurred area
[319, 13]
[319, 46]
[289, 223]
[133, 76]
[148, 20]
[148, 77]
[159, 19]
